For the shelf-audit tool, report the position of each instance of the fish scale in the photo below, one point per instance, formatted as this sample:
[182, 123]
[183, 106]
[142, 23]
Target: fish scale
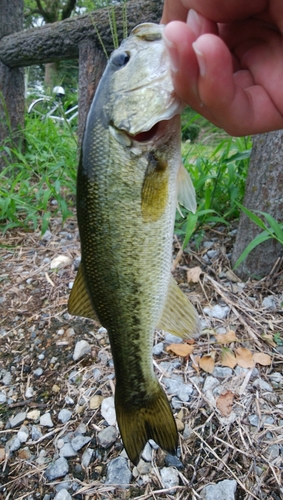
[126, 201]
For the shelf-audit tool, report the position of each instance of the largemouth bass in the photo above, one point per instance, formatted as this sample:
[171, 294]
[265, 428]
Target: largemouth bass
[129, 178]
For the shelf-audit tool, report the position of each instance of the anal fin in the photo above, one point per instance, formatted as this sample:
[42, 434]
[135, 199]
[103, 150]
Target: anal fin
[179, 316]
[79, 302]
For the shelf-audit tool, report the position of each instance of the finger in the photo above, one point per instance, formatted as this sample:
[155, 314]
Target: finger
[230, 100]
[173, 11]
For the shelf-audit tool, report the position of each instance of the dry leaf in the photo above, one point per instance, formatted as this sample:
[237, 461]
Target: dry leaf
[224, 403]
[226, 338]
[269, 339]
[228, 358]
[195, 363]
[193, 274]
[180, 349]
[262, 359]
[244, 357]
[206, 363]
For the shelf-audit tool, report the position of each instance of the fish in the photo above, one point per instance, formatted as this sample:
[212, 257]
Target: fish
[130, 180]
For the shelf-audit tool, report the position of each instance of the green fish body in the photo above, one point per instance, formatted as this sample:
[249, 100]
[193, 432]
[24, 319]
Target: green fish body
[129, 177]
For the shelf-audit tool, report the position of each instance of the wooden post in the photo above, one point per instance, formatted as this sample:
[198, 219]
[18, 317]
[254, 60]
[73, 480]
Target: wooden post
[12, 89]
[92, 62]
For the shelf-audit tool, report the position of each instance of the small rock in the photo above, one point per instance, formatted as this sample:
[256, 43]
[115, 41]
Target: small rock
[56, 388]
[24, 453]
[33, 415]
[38, 372]
[59, 262]
[108, 410]
[29, 392]
[63, 495]
[46, 421]
[23, 436]
[42, 457]
[76, 263]
[102, 330]
[219, 312]
[118, 472]
[3, 397]
[81, 349]
[13, 444]
[212, 254]
[147, 452]
[210, 383]
[172, 339]
[96, 373]
[47, 235]
[107, 436]
[95, 402]
[18, 419]
[64, 415]
[262, 385]
[254, 420]
[67, 451]
[157, 349]
[41, 357]
[169, 477]
[35, 433]
[81, 429]
[187, 431]
[69, 401]
[79, 441]
[276, 379]
[7, 378]
[269, 302]
[2, 454]
[273, 452]
[86, 457]
[143, 467]
[173, 461]
[177, 386]
[222, 372]
[224, 490]
[57, 469]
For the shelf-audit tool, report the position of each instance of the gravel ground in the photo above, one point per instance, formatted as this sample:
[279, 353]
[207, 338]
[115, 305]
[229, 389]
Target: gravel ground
[58, 434]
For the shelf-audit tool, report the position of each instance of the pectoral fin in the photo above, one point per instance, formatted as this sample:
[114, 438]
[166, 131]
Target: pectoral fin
[179, 316]
[154, 195]
[186, 192]
[79, 302]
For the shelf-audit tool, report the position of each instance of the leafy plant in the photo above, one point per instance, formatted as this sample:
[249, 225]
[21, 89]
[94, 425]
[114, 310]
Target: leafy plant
[271, 229]
[41, 181]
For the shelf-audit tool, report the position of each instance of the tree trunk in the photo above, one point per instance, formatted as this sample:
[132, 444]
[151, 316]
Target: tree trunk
[51, 75]
[12, 85]
[57, 41]
[264, 192]
[92, 62]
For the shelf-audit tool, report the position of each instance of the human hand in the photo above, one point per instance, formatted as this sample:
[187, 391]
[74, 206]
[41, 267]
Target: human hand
[227, 61]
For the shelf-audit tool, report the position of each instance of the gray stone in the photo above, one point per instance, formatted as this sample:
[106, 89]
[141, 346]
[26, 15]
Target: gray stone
[63, 495]
[35, 433]
[64, 415]
[170, 366]
[86, 457]
[108, 410]
[254, 420]
[107, 436]
[157, 349]
[269, 302]
[79, 441]
[219, 312]
[13, 444]
[67, 451]
[176, 403]
[23, 436]
[210, 383]
[96, 373]
[224, 490]
[18, 419]
[69, 401]
[7, 378]
[262, 385]
[143, 467]
[118, 472]
[276, 379]
[3, 397]
[222, 372]
[273, 452]
[57, 469]
[46, 420]
[177, 386]
[47, 235]
[169, 477]
[81, 429]
[29, 392]
[172, 339]
[147, 453]
[82, 348]
[38, 372]
[212, 254]
[173, 461]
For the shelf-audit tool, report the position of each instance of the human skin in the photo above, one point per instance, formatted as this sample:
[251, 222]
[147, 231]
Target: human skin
[227, 60]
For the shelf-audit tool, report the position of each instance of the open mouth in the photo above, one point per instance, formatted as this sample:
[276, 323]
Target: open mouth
[145, 136]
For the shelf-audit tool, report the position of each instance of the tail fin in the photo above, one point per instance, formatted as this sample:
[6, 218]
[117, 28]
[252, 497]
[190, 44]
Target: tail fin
[152, 420]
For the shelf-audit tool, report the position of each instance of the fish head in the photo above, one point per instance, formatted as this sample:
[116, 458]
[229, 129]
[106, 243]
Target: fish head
[138, 83]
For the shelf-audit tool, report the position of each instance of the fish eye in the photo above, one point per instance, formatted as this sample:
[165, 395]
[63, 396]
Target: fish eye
[121, 59]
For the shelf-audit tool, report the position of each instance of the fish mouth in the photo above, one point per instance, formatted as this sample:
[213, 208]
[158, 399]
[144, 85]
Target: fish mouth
[147, 135]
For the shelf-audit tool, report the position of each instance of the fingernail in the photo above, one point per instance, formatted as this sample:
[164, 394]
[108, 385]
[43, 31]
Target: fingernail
[201, 60]
[193, 21]
[173, 54]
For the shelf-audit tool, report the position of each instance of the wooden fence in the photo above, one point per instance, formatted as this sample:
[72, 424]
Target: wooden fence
[73, 38]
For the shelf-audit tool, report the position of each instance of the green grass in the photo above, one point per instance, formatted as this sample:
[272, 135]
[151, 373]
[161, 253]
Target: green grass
[218, 167]
[41, 181]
